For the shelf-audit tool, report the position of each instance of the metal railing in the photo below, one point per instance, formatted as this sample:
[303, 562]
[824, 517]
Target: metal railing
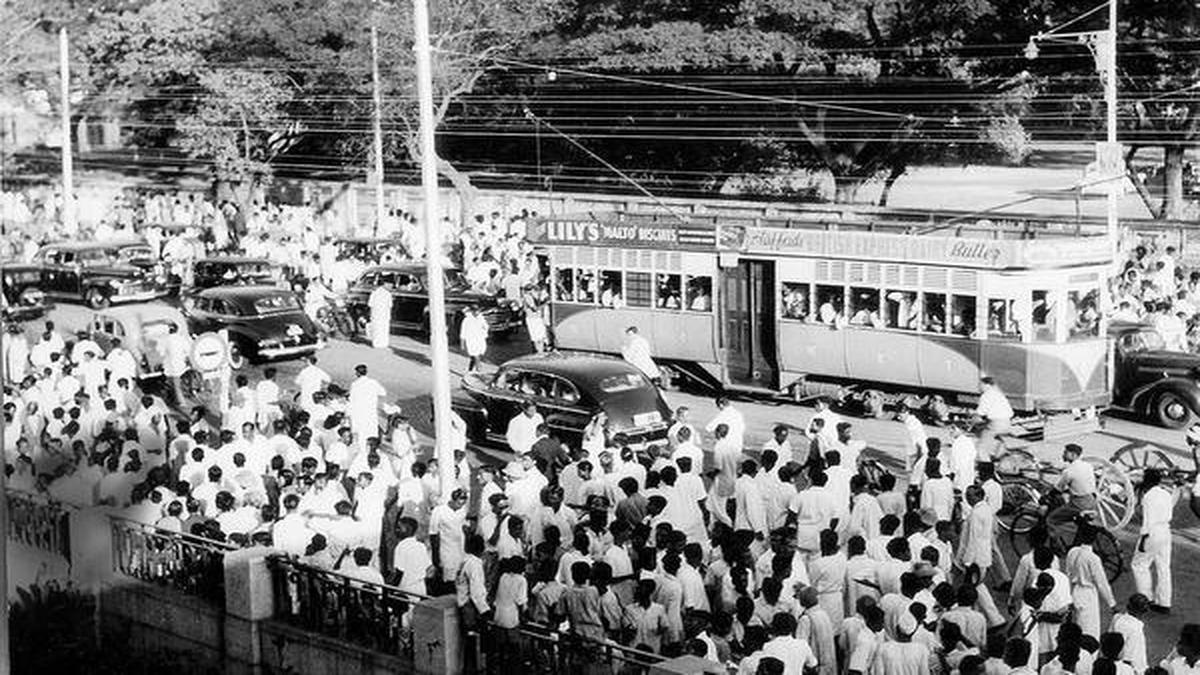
[374, 616]
[536, 648]
[39, 522]
[190, 564]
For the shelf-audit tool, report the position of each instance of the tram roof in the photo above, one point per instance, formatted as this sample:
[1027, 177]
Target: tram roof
[1002, 243]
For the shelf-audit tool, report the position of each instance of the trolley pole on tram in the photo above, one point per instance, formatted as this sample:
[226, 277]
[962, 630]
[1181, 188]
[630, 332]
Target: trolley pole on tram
[68, 177]
[1110, 100]
[377, 124]
[438, 347]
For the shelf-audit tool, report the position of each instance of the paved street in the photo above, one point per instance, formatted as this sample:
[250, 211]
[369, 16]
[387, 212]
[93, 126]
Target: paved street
[405, 372]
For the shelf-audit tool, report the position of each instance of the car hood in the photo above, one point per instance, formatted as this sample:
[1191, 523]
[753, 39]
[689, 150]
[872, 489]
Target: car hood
[1166, 359]
[119, 271]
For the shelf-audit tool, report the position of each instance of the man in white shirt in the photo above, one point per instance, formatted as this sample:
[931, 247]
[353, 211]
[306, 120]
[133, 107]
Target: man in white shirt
[291, 533]
[732, 418]
[686, 447]
[996, 412]
[365, 393]
[1154, 541]
[175, 348]
[410, 559]
[311, 378]
[522, 428]
[636, 350]
[446, 536]
[962, 458]
[380, 303]
[1078, 485]
[785, 646]
[750, 509]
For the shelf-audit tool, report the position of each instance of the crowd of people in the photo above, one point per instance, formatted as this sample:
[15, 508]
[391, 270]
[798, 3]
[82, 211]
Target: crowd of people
[785, 559]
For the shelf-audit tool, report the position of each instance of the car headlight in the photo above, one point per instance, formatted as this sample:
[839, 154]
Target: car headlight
[268, 342]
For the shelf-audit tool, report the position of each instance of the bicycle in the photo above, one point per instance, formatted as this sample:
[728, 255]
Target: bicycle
[1026, 482]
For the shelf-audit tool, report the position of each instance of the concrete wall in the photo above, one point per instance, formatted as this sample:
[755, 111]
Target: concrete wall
[288, 649]
[141, 617]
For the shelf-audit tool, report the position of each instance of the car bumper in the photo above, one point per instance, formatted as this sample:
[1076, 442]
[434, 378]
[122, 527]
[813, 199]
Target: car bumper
[140, 296]
[27, 312]
[290, 351]
[641, 437]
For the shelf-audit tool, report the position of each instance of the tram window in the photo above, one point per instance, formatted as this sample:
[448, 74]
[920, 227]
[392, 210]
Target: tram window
[934, 313]
[637, 289]
[1043, 316]
[699, 294]
[667, 291]
[864, 307]
[611, 289]
[1002, 319]
[795, 301]
[1085, 316]
[903, 310]
[830, 303]
[585, 286]
[962, 315]
[564, 286]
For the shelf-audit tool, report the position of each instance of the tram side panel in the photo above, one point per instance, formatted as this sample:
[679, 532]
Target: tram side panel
[1051, 377]
[811, 349]
[677, 336]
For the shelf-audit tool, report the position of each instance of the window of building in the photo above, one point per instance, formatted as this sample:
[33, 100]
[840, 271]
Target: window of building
[699, 294]
[902, 310]
[667, 291]
[933, 317]
[831, 303]
[638, 289]
[1043, 319]
[962, 315]
[611, 289]
[864, 307]
[795, 301]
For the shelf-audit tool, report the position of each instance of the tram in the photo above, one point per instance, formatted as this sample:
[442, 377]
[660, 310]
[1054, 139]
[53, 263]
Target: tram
[805, 307]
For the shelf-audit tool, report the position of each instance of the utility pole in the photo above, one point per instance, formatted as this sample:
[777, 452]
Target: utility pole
[378, 125]
[68, 179]
[439, 350]
[5, 658]
[1110, 100]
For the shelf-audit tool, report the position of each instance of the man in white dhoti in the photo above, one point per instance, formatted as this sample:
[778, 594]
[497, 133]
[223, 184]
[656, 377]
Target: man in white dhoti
[363, 407]
[380, 302]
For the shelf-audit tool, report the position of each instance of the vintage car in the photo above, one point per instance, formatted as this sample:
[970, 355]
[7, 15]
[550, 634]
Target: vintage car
[20, 297]
[235, 271]
[569, 388]
[410, 299]
[140, 327]
[1150, 380]
[96, 273]
[264, 323]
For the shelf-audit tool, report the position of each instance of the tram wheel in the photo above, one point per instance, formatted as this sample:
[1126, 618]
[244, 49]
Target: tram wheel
[1171, 410]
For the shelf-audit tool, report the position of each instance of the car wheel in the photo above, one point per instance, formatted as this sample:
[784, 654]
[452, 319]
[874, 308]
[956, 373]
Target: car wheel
[1172, 410]
[96, 298]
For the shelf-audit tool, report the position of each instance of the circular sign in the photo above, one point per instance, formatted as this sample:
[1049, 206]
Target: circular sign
[210, 352]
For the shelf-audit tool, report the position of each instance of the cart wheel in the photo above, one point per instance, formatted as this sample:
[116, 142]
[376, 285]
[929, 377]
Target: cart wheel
[872, 471]
[1020, 505]
[1018, 464]
[1026, 520]
[1135, 459]
[1115, 497]
[1109, 550]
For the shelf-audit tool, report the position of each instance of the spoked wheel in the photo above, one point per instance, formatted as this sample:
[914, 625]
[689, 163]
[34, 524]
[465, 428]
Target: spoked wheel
[1018, 464]
[1135, 459]
[1109, 550]
[1019, 510]
[1115, 497]
[1024, 522]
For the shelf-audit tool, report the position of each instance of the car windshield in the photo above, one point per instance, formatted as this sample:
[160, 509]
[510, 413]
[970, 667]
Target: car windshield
[275, 303]
[1144, 341]
[624, 382]
[455, 280]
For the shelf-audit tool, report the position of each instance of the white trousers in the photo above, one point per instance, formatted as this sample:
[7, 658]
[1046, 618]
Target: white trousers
[1158, 556]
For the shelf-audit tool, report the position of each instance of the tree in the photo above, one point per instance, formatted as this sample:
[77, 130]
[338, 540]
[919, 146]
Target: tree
[813, 55]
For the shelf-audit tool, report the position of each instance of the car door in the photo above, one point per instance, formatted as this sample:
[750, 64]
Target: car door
[504, 399]
[62, 274]
[201, 315]
[566, 413]
[408, 299]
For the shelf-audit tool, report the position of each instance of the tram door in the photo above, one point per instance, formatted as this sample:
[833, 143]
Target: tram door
[748, 323]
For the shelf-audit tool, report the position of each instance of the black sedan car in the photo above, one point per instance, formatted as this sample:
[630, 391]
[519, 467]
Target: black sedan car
[231, 270]
[264, 322]
[21, 299]
[569, 389]
[95, 273]
[410, 299]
